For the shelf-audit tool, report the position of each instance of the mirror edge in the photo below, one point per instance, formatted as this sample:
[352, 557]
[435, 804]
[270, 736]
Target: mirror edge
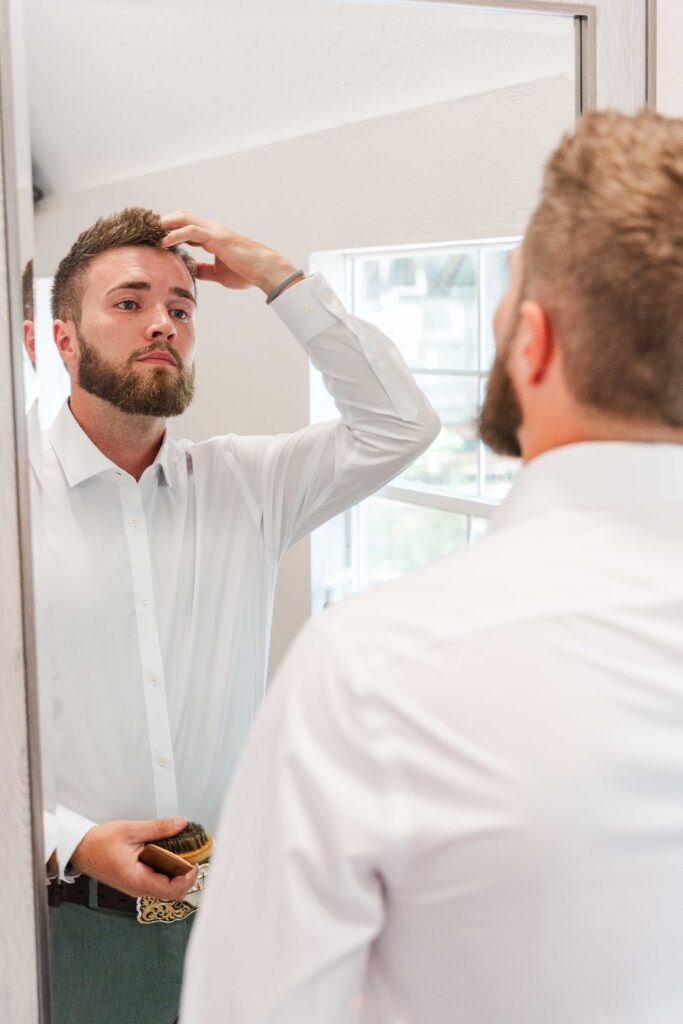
[24, 955]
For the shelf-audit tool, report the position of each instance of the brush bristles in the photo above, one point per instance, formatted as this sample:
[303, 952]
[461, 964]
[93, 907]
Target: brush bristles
[192, 838]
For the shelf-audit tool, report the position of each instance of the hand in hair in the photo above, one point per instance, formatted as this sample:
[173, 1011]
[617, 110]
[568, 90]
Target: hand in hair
[239, 262]
[110, 853]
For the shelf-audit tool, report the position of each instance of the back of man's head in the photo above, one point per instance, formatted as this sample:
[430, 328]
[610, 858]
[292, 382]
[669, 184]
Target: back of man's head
[132, 226]
[603, 255]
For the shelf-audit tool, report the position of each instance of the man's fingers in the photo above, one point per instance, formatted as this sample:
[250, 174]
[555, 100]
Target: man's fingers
[180, 886]
[206, 271]
[222, 274]
[157, 828]
[193, 234]
[153, 883]
[181, 219]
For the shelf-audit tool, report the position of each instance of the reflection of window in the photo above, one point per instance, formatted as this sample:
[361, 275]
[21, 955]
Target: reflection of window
[436, 303]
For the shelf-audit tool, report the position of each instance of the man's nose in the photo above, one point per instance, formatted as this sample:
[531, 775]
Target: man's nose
[161, 325]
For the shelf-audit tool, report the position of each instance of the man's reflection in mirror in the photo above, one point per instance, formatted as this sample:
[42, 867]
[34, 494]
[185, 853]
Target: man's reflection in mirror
[162, 559]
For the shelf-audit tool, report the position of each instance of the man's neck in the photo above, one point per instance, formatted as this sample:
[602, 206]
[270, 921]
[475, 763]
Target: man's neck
[595, 427]
[132, 442]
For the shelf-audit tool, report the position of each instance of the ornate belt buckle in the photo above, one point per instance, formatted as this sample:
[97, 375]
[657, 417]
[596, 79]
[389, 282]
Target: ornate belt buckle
[154, 911]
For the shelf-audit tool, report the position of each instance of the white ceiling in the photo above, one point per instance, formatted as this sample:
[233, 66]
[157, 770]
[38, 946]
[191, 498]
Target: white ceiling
[119, 88]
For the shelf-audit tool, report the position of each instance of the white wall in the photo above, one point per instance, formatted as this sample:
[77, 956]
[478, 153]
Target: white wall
[457, 170]
[669, 57]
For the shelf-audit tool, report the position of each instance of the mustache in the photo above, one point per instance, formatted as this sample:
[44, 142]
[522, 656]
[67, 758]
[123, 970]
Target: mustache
[142, 352]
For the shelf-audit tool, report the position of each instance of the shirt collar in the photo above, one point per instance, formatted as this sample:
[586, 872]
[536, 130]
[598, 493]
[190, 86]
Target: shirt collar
[81, 459]
[595, 474]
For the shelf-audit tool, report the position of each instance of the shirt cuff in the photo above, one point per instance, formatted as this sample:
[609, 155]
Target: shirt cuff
[71, 827]
[309, 307]
[49, 833]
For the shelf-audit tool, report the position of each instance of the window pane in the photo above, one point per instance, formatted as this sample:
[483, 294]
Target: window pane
[451, 461]
[401, 537]
[427, 304]
[494, 284]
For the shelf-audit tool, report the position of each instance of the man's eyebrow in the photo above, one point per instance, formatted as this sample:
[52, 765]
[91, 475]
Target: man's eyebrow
[184, 294]
[134, 285]
[144, 286]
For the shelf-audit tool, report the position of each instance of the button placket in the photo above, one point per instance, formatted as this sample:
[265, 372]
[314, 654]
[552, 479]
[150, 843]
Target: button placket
[154, 690]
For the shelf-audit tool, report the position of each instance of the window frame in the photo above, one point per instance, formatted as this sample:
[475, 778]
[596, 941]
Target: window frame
[344, 267]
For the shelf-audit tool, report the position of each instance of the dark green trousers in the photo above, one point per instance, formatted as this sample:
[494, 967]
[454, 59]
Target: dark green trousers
[109, 969]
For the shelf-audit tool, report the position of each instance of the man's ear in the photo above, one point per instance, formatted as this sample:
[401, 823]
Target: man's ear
[30, 341]
[64, 334]
[534, 343]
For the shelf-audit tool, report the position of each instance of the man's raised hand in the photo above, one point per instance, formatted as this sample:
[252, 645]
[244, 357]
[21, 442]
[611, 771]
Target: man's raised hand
[239, 262]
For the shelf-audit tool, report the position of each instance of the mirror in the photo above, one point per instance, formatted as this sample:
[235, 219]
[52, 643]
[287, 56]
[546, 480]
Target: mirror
[396, 149]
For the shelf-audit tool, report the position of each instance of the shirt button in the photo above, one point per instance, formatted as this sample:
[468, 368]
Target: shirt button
[162, 762]
[144, 600]
[309, 309]
[153, 680]
[133, 521]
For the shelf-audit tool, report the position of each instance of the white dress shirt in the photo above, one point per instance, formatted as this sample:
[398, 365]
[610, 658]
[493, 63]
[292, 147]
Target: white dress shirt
[161, 590]
[463, 800]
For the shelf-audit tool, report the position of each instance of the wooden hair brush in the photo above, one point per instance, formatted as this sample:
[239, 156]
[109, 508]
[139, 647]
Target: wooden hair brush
[177, 854]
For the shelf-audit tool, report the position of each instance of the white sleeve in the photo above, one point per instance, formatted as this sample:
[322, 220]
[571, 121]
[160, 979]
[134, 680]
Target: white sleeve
[307, 837]
[71, 827]
[300, 480]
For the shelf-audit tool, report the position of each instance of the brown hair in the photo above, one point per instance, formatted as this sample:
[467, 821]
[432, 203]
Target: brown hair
[27, 290]
[132, 226]
[603, 255]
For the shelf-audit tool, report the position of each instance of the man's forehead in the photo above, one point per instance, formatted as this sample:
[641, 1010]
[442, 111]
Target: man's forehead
[138, 263]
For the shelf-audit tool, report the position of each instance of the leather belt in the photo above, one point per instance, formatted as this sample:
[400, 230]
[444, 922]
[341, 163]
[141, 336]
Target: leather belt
[78, 891]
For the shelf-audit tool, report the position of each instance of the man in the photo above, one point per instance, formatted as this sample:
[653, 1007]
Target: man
[462, 801]
[163, 557]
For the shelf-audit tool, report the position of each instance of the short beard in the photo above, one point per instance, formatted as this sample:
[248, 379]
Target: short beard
[501, 416]
[160, 393]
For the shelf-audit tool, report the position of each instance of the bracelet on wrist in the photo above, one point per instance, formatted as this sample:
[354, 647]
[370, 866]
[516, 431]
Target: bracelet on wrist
[279, 288]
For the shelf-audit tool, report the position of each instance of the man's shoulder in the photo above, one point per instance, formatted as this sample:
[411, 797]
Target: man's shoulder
[521, 575]
[449, 596]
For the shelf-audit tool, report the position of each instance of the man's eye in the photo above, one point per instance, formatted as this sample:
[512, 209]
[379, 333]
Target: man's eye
[181, 314]
[127, 304]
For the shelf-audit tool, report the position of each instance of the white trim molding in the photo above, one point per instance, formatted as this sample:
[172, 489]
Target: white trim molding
[617, 49]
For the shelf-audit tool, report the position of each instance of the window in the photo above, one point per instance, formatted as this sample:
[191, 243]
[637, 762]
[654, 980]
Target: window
[436, 303]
